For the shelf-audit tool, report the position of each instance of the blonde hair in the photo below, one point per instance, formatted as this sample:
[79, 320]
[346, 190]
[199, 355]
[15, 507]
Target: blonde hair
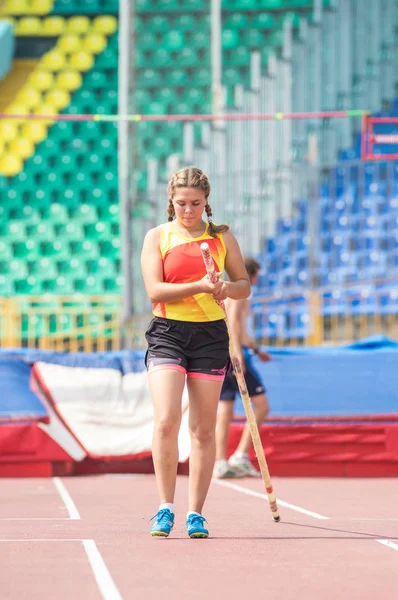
[192, 177]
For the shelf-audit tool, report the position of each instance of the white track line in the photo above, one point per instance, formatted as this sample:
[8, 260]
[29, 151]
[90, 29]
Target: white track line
[388, 543]
[66, 499]
[104, 580]
[243, 490]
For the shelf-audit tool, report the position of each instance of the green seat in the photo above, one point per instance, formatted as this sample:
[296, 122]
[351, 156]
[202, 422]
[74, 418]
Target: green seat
[263, 20]
[96, 79]
[186, 21]
[174, 40]
[40, 232]
[57, 249]
[6, 286]
[156, 23]
[29, 285]
[146, 40]
[13, 231]
[203, 76]
[188, 57]
[73, 267]
[97, 231]
[67, 196]
[58, 213]
[148, 78]
[89, 285]
[231, 77]
[18, 269]
[229, 39]
[240, 56]
[43, 268]
[103, 267]
[167, 95]
[112, 284]
[177, 77]
[142, 98]
[253, 38]
[156, 108]
[107, 58]
[70, 231]
[109, 213]
[199, 39]
[236, 20]
[86, 213]
[59, 285]
[6, 251]
[86, 249]
[160, 57]
[194, 95]
[110, 249]
[27, 250]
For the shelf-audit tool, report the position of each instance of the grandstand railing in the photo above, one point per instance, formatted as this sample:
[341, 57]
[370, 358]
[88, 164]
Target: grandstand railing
[67, 324]
[326, 316]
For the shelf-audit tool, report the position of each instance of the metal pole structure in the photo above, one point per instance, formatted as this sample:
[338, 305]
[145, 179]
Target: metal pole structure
[216, 57]
[126, 11]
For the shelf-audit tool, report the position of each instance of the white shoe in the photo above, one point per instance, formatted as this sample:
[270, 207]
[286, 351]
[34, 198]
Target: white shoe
[244, 466]
[223, 470]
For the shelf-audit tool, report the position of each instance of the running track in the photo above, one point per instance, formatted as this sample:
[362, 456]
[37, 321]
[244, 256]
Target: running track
[88, 538]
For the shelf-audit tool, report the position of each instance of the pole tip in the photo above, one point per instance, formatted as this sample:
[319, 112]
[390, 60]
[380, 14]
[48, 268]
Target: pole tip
[204, 246]
[276, 518]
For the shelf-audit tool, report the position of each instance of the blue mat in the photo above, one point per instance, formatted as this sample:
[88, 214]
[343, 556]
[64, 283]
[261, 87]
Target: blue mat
[17, 401]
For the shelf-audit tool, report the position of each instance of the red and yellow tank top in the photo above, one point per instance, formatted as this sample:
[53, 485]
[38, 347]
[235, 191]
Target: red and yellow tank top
[183, 263]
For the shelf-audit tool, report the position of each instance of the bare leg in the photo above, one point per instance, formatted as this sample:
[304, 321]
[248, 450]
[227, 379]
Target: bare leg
[224, 418]
[261, 410]
[166, 388]
[203, 401]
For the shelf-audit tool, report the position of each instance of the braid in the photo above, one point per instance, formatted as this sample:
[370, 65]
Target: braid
[170, 210]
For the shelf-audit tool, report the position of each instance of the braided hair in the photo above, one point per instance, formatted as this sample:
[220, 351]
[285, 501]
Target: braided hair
[192, 177]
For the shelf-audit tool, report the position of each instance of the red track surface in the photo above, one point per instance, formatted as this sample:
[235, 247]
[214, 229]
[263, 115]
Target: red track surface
[105, 550]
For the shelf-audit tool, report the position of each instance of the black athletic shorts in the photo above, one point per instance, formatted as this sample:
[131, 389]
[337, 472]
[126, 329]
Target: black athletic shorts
[200, 350]
[255, 386]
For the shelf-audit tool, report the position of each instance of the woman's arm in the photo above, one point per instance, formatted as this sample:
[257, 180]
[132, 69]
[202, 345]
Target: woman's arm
[152, 271]
[238, 287]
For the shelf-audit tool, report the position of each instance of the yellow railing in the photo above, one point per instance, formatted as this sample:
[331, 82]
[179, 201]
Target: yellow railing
[67, 324]
[92, 324]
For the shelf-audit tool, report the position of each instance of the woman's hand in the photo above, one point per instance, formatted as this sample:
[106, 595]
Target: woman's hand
[223, 293]
[208, 287]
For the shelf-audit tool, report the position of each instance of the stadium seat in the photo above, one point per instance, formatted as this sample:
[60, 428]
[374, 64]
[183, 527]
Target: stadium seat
[40, 7]
[105, 24]
[81, 60]
[41, 80]
[10, 165]
[94, 43]
[29, 26]
[53, 25]
[78, 25]
[15, 7]
[69, 80]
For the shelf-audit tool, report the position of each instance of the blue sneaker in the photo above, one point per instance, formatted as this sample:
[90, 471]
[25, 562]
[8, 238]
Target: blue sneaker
[195, 527]
[164, 523]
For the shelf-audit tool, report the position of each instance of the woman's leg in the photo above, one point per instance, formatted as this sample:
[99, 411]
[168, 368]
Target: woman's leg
[166, 386]
[203, 401]
[224, 418]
